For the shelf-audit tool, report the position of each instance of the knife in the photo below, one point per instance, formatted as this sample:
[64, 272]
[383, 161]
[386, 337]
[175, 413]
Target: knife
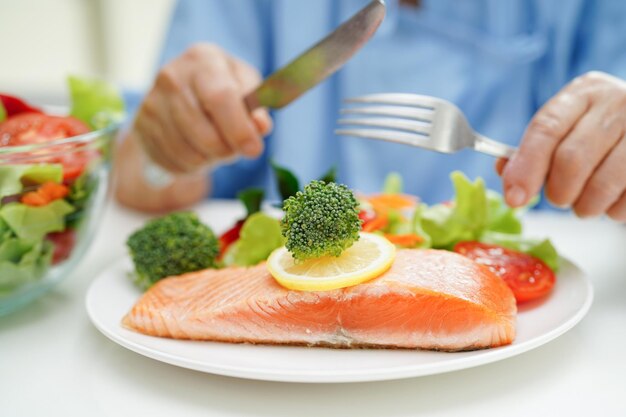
[319, 62]
[303, 73]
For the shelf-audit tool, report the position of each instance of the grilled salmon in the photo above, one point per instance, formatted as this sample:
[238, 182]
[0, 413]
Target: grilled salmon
[428, 299]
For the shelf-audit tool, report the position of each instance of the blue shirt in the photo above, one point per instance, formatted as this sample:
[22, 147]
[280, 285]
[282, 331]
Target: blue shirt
[498, 60]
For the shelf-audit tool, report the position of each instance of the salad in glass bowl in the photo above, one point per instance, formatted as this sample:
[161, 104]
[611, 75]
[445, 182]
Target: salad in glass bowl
[54, 178]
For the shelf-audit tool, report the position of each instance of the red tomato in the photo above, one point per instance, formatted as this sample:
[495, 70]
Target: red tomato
[528, 277]
[63, 244]
[33, 128]
[14, 105]
[229, 237]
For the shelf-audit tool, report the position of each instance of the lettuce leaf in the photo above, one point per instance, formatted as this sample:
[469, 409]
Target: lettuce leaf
[419, 230]
[22, 261]
[464, 219]
[259, 236]
[13, 177]
[35, 222]
[393, 184]
[95, 102]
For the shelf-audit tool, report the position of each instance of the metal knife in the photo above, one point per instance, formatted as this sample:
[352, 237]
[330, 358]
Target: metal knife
[319, 62]
[303, 73]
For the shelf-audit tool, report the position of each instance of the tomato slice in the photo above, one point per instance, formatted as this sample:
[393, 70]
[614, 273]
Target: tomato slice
[34, 128]
[14, 105]
[528, 277]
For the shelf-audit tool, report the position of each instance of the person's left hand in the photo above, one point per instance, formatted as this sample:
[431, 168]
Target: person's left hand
[576, 145]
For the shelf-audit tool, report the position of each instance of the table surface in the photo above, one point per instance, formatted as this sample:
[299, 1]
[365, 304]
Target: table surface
[53, 361]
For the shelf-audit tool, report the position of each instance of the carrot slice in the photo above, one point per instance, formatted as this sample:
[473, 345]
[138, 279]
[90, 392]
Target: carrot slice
[408, 240]
[376, 223]
[385, 202]
[45, 194]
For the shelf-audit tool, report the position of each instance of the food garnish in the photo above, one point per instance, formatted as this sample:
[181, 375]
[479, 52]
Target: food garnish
[259, 235]
[322, 220]
[171, 245]
[366, 259]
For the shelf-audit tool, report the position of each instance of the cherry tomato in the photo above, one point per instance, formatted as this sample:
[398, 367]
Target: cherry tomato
[64, 243]
[33, 128]
[528, 277]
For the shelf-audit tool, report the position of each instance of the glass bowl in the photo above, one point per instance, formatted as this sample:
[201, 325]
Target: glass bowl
[52, 195]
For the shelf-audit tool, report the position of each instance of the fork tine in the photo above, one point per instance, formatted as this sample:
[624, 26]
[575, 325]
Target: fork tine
[398, 99]
[398, 111]
[390, 123]
[412, 139]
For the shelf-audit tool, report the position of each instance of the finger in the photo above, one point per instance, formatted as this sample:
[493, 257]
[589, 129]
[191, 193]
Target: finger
[197, 128]
[149, 133]
[500, 165]
[249, 79]
[527, 169]
[262, 121]
[173, 148]
[618, 210]
[606, 185]
[581, 152]
[222, 98]
[173, 142]
[246, 76]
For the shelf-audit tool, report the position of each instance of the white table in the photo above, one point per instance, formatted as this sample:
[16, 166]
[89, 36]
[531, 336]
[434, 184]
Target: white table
[53, 362]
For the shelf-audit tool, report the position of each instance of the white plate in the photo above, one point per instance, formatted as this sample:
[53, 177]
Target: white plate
[112, 295]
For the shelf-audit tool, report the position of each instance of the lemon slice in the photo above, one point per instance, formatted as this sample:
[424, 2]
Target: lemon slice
[368, 258]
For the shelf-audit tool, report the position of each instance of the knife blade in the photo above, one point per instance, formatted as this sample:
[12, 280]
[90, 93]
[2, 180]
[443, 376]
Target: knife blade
[319, 62]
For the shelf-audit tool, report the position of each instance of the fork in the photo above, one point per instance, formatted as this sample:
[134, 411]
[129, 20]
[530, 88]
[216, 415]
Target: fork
[416, 120]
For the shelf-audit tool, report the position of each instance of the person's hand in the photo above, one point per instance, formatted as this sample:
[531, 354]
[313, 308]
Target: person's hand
[195, 115]
[576, 145]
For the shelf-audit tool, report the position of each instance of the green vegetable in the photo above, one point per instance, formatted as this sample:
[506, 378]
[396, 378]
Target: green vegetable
[393, 184]
[172, 245]
[81, 192]
[95, 102]
[13, 177]
[3, 113]
[22, 261]
[259, 236]
[330, 175]
[287, 182]
[419, 230]
[472, 212]
[35, 222]
[321, 220]
[251, 199]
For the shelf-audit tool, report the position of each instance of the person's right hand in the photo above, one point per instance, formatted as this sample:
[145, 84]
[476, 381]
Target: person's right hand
[195, 115]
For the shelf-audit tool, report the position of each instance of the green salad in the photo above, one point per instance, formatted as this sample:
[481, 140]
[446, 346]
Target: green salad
[45, 194]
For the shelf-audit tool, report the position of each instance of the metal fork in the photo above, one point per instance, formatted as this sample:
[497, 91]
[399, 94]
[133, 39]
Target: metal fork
[416, 120]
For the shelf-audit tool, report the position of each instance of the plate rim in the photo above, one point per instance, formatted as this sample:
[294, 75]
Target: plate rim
[337, 376]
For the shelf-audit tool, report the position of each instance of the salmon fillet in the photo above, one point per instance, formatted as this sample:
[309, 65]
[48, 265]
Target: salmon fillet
[428, 299]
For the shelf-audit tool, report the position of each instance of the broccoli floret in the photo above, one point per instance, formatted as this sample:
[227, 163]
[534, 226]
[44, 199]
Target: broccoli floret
[172, 245]
[321, 220]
